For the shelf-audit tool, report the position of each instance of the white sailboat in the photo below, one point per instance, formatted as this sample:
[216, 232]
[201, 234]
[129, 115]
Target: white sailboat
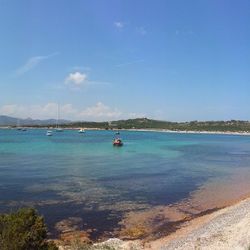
[20, 128]
[18, 125]
[81, 130]
[58, 129]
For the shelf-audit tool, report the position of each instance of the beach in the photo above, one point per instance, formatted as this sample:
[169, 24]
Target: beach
[225, 229]
[215, 217]
[228, 228]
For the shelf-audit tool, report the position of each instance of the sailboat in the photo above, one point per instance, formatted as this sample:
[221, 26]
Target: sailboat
[81, 130]
[18, 125]
[20, 128]
[58, 129]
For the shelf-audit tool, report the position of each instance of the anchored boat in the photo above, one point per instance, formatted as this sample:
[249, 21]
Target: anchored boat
[81, 131]
[49, 133]
[117, 142]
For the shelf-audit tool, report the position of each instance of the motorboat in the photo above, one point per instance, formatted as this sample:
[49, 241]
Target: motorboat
[117, 142]
[49, 133]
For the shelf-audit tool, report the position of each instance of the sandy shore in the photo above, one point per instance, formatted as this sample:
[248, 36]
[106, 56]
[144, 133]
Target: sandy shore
[190, 131]
[228, 228]
[225, 229]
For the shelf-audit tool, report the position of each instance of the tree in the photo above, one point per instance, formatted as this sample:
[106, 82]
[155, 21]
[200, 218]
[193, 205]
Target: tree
[24, 230]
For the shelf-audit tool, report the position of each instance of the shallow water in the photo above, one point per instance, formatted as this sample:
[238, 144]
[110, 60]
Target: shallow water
[83, 175]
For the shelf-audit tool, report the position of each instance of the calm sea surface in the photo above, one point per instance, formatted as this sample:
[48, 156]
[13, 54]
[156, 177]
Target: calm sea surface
[83, 175]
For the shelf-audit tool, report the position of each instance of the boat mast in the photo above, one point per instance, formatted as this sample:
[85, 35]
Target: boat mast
[58, 117]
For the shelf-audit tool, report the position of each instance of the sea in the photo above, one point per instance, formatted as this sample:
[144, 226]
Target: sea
[84, 180]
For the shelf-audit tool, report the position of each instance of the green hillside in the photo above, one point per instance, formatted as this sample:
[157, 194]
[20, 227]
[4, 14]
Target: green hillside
[144, 123]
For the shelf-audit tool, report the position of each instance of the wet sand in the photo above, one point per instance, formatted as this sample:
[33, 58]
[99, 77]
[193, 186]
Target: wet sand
[228, 228]
[165, 221]
[215, 216]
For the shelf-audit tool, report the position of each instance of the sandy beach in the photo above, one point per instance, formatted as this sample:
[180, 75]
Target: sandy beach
[224, 223]
[225, 229]
[246, 133]
[228, 228]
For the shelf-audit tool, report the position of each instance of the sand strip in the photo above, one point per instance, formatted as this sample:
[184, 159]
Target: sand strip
[228, 228]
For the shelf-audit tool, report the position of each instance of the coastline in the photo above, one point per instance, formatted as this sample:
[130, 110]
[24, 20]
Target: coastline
[245, 133]
[227, 228]
[190, 132]
[204, 221]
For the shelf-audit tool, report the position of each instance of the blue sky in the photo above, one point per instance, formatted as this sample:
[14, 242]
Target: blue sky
[106, 60]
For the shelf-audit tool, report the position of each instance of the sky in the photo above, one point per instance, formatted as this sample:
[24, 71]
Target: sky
[99, 60]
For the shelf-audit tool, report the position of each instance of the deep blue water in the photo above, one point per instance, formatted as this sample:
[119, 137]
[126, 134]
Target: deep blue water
[83, 175]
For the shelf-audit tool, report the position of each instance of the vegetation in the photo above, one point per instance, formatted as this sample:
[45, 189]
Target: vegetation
[24, 230]
[144, 123]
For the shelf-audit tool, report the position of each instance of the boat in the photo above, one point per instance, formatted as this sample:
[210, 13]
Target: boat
[49, 133]
[18, 127]
[81, 130]
[58, 129]
[117, 132]
[117, 142]
[24, 129]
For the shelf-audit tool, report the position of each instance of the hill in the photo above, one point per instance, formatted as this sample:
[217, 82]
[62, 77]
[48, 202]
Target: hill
[145, 123]
[13, 121]
[138, 123]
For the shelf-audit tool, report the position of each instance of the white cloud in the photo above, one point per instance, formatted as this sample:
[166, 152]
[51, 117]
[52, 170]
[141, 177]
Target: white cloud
[97, 112]
[33, 62]
[10, 109]
[119, 25]
[46, 111]
[100, 111]
[77, 79]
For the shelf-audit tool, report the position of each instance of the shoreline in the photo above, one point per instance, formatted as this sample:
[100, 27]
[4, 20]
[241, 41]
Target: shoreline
[223, 229]
[190, 223]
[226, 228]
[190, 131]
[146, 130]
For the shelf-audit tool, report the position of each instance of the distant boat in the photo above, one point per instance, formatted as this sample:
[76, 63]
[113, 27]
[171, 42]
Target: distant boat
[58, 129]
[117, 132]
[81, 131]
[49, 133]
[24, 129]
[18, 127]
[117, 142]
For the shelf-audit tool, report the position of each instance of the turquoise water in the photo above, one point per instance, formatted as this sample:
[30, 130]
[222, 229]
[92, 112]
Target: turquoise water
[83, 175]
